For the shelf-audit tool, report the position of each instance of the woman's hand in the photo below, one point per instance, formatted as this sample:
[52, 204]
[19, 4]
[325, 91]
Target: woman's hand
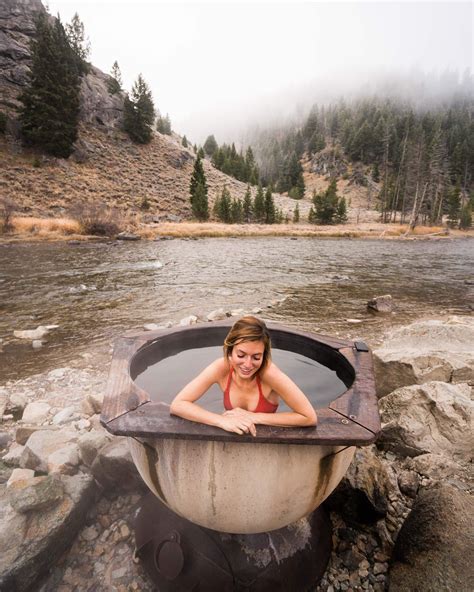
[240, 423]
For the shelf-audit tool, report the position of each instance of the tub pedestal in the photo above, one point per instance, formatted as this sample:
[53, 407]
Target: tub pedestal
[181, 556]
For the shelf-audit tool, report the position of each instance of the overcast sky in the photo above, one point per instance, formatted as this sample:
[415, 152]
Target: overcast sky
[214, 66]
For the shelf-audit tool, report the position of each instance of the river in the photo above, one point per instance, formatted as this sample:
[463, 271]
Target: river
[95, 291]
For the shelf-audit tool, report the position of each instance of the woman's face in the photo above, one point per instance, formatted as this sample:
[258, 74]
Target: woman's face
[247, 357]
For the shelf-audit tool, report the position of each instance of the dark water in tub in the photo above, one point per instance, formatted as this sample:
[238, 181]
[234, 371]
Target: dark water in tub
[166, 378]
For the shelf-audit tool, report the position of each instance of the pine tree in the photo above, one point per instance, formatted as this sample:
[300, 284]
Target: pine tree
[311, 215]
[224, 211]
[247, 206]
[341, 211]
[78, 42]
[236, 211]
[50, 113]
[296, 214]
[198, 192]
[465, 217]
[210, 145]
[114, 83]
[139, 112]
[259, 205]
[184, 142]
[269, 206]
[454, 206]
[163, 125]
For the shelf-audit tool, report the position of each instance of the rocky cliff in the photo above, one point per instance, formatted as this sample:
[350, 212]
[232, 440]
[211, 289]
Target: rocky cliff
[106, 167]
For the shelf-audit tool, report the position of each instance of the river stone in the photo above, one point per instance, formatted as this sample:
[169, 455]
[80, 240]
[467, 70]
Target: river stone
[113, 466]
[191, 320]
[409, 483]
[433, 417]
[440, 467]
[217, 315]
[36, 412]
[14, 454]
[65, 460]
[43, 443]
[36, 493]
[362, 495]
[5, 440]
[381, 303]
[24, 432]
[30, 544]
[20, 475]
[433, 550]
[16, 404]
[127, 236]
[33, 334]
[65, 415]
[425, 351]
[90, 444]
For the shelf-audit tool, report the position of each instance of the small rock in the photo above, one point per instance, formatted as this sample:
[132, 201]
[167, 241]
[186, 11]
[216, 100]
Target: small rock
[127, 236]
[36, 412]
[3, 402]
[409, 483]
[24, 432]
[64, 416]
[5, 440]
[379, 568]
[151, 327]
[16, 403]
[20, 475]
[57, 373]
[13, 456]
[354, 321]
[90, 533]
[82, 424]
[90, 444]
[256, 310]
[42, 444]
[191, 320]
[382, 304]
[217, 315]
[64, 461]
[34, 334]
[37, 344]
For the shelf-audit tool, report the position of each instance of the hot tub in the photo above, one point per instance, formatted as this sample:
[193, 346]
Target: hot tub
[231, 483]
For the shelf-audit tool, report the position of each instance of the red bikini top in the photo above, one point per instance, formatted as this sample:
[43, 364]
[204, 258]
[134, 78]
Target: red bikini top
[263, 405]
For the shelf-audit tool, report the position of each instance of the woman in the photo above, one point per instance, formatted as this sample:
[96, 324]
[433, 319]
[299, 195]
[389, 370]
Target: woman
[251, 383]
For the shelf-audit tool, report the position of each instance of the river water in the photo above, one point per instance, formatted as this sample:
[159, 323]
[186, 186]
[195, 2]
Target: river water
[97, 291]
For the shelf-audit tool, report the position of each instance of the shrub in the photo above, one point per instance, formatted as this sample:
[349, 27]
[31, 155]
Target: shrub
[7, 209]
[96, 220]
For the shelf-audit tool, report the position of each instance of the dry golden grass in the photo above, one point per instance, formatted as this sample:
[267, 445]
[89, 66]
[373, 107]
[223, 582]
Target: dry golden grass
[52, 229]
[45, 227]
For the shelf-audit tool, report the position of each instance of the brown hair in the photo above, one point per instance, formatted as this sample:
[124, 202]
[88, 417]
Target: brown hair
[249, 328]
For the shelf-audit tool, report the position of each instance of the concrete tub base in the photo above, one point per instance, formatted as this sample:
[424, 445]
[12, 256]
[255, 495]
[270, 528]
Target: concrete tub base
[180, 556]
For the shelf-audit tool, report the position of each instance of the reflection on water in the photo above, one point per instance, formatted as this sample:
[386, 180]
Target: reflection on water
[164, 379]
[96, 291]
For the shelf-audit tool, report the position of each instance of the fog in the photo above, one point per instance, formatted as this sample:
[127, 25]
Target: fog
[223, 67]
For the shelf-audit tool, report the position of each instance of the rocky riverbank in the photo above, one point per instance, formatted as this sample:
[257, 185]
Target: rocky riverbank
[401, 516]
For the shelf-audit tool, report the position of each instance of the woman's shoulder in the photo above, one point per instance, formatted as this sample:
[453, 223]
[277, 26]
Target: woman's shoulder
[219, 367]
[270, 373]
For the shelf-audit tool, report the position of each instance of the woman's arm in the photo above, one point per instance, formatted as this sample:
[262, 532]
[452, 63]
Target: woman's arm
[302, 414]
[184, 404]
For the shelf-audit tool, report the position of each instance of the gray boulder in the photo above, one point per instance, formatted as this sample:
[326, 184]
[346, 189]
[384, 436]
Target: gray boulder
[36, 412]
[434, 548]
[35, 493]
[32, 542]
[363, 494]
[425, 351]
[113, 467]
[433, 417]
[42, 444]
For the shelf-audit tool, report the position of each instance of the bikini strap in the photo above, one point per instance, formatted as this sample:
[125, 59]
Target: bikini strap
[227, 403]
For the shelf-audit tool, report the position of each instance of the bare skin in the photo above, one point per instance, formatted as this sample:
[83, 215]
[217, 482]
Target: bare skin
[245, 360]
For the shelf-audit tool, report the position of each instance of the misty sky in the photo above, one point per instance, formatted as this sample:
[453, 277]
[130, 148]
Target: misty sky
[215, 67]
